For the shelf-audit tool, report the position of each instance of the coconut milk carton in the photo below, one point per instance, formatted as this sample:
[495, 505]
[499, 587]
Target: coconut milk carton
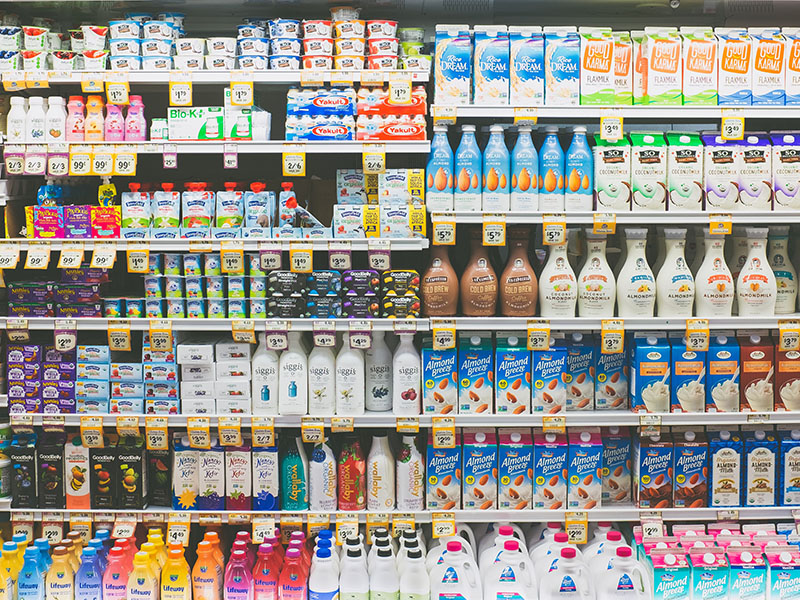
[790, 468]
[792, 57]
[561, 66]
[648, 171]
[760, 467]
[491, 65]
[550, 454]
[452, 64]
[475, 373]
[685, 170]
[768, 65]
[748, 572]
[439, 379]
[585, 469]
[721, 168]
[527, 65]
[671, 573]
[722, 372]
[735, 83]
[616, 466]
[639, 67]
[443, 472]
[709, 574]
[784, 573]
[662, 54]
[548, 368]
[480, 469]
[726, 462]
[612, 174]
[514, 469]
[597, 66]
[755, 173]
[699, 65]
[623, 67]
[786, 168]
[512, 374]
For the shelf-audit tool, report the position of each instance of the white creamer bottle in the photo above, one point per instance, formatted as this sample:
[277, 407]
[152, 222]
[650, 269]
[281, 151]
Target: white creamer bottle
[35, 121]
[714, 283]
[264, 369]
[321, 382]
[379, 374]
[414, 581]
[293, 378]
[558, 293]
[737, 257]
[674, 283]
[322, 478]
[785, 273]
[636, 286]
[406, 378]
[15, 121]
[756, 289]
[380, 475]
[597, 288]
[410, 476]
[350, 378]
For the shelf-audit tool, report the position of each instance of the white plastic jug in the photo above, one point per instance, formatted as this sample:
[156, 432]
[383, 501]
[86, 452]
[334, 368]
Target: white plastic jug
[414, 580]
[598, 561]
[438, 548]
[625, 579]
[544, 555]
[510, 576]
[488, 552]
[597, 537]
[567, 579]
[489, 536]
[456, 577]
[541, 533]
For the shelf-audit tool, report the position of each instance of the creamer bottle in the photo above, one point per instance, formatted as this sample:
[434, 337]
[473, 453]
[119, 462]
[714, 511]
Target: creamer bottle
[714, 282]
[95, 123]
[579, 174]
[15, 122]
[350, 378]
[785, 274]
[551, 172]
[674, 283]
[56, 118]
[293, 378]
[519, 288]
[322, 478]
[597, 288]
[379, 374]
[321, 382]
[524, 173]
[406, 377]
[439, 172]
[410, 473]
[756, 288]
[737, 256]
[496, 193]
[468, 159]
[35, 121]
[636, 286]
[264, 372]
[558, 289]
[439, 285]
[380, 475]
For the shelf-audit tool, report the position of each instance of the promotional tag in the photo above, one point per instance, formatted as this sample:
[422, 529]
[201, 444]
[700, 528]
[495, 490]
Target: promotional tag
[538, 335]
[444, 432]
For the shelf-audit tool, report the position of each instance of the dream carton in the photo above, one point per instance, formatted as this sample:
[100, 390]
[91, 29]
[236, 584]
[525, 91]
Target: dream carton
[514, 470]
[527, 65]
[652, 471]
[585, 469]
[699, 65]
[726, 459]
[561, 66]
[439, 379]
[616, 466]
[443, 470]
[735, 80]
[491, 65]
[550, 454]
[722, 371]
[475, 373]
[512, 374]
[452, 64]
[597, 66]
[768, 65]
[479, 469]
[760, 464]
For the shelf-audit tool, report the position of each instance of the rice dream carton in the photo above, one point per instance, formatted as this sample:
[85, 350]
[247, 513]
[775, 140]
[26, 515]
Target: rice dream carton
[452, 64]
[491, 67]
[515, 473]
[597, 66]
[527, 65]
[561, 66]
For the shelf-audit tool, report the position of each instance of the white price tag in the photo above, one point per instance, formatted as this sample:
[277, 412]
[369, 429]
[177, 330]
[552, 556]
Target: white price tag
[38, 256]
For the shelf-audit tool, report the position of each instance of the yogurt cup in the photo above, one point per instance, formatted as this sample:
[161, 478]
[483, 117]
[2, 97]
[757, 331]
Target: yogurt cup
[175, 18]
[10, 61]
[284, 63]
[64, 60]
[10, 38]
[125, 29]
[317, 28]
[176, 308]
[251, 31]
[411, 34]
[125, 47]
[134, 308]
[285, 46]
[382, 62]
[351, 28]
[158, 30]
[126, 63]
[94, 37]
[257, 21]
[344, 13]
[386, 46]
[351, 46]
[221, 46]
[153, 286]
[217, 308]
[416, 63]
[156, 63]
[380, 28]
[215, 286]
[195, 308]
[411, 48]
[258, 46]
[282, 28]
[318, 46]
[253, 62]
[317, 62]
[348, 62]
[189, 46]
[55, 41]
[35, 38]
[34, 60]
[219, 63]
[140, 18]
[112, 308]
[76, 40]
[154, 308]
[187, 63]
[154, 47]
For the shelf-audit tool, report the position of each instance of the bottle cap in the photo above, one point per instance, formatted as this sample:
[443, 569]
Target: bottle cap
[512, 545]
[506, 530]
[613, 536]
[623, 551]
[561, 537]
[454, 546]
[568, 553]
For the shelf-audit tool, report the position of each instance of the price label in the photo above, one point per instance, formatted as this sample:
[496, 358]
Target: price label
[369, 77]
[444, 115]
[343, 78]
[340, 255]
[554, 229]
[494, 230]
[376, 521]
[104, 255]
[161, 335]
[373, 159]
[92, 431]
[318, 522]
[9, 255]
[577, 525]
[697, 335]
[728, 515]
[312, 430]
[117, 91]
[53, 423]
[138, 257]
[311, 78]
[324, 334]
[178, 528]
[652, 526]
[444, 230]
[21, 423]
[35, 163]
[15, 164]
[169, 157]
[125, 163]
[243, 331]
[200, 245]
[604, 223]
[65, 334]
[649, 425]
[124, 527]
[789, 332]
[612, 336]
[92, 83]
[82, 523]
[270, 256]
[22, 524]
[119, 336]
[444, 335]
[277, 338]
[720, 224]
[53, 527]
[732, 124]
[38, 256]
[263, 432]
[230, 431]
[36, 80]
[758, 417]
[232, 256]
[17, 330]
[554, 424]
[402, 522]
[156, 433]
[102, 164]
[199, 430]
[263, 528]
[301, 258]
[230, 157]
[444, 432]
[360, 335]
[128, 426]
[294, 160]
[610, 127]
[180, 88]
[14, 81]
[342, 424]
[538, 335]
[399, 89]
[346, 527]
[379, 255]
[242, 89]
[444, 524]
[525, 116]
[407, 424]
[71, 256]
[58, 165]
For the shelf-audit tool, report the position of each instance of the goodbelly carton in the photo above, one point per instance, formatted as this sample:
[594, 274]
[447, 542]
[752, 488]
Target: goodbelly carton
[735, 82]
[768, 65]
[515, 473]
[699, 65]
[597, 66]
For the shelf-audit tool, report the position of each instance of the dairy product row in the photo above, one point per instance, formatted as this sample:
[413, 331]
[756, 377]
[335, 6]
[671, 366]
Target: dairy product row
[642, 171]
[565, 66]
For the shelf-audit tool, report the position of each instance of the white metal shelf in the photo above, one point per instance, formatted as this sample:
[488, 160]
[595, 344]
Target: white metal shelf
[625, 218]
[262, 147]
[250, 244]
[595, 323]
[224, 77]
[628, 112]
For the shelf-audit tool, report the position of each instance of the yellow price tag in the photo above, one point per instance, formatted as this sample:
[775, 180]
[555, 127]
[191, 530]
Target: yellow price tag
[263, 528]
[697, 335]
[38, 256]
[400, 89]
[494, 230]
[376, 521]
[118, 88]
[407, 424]
[444, 524]
[373, 159]
[526, 116]
[604, 223]
[104, 255]
[80, 163]
[128, 425]
[538, 335]
[138, 257]
[36, 80]
[119, 336]
[301, 258]
[613, 336]
[232, 256]
[732, 127]
[199, 430]
[178, 528]
[125, 163]
[720, 224]
[243, 331]
[312, 430]
[161, 339]
[789, 336]
[444, 432]
[156, 433]
[346, 527]
[294, 160]
[92, 431]
[14, 81]
[102, 163]
[318, 522]
[263, 432]
[402, 522]
[9, 255]
[311, 78]
[554, 424]
[242, 89]
[71, 256]
[554, 229]
[180, 88]
[230, 431]
[444, 335]
[444, 230]
[444, 115]
[611, 127]
[342, 424]
[17, 330]
[92, 83]
[577, 525]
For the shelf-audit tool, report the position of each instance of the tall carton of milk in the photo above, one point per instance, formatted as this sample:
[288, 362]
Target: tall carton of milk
[527, 65]
[623, 67]
[585, 469]
[792, 57]
[663, 82]
[515, 459]
[512, 374]
[639, 66]
[710, 573]
[784, 573]
[790, 468]
[786, 169]
[561, 66]
[443, 472]
[755, 173]
[479, 465]
[699, 65]
[735, 82]
[760, 467]
[550, 454]
[490, 78]
[452, 64]
[768, 65]
[726, 461]
[671, 572]
[616, 465]
[597, 66]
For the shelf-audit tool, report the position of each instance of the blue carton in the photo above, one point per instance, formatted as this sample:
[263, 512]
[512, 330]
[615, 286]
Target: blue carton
[760, 467]
[725, 467]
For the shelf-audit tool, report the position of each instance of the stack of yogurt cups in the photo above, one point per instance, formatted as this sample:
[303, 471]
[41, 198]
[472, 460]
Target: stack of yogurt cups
[412, 45]
[139, 42]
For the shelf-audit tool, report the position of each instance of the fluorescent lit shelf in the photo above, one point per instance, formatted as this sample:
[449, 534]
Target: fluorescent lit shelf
[204, 76]
[264, 147]
[626, 218]
[594, 324]
[250, 244]
[628, 112]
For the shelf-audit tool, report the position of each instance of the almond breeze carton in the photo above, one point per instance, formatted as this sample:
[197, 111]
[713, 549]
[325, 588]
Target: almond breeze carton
[443, 470]
[585, 469]
[479, 469]
[784, 573]
[515, 471]
[490, 79]
[652, 471]
[561, 66]
[650, 372]
[786, 168]
[512, 374]
[597, 66]
[699, 65]
[688, 373]
[709, 574]
[768, 65]
[748, 574]
[623, 67]
[452, 64]
[735, 82]
[611, 381]
[527, 65]
[475, 373]
[662, 55]
[580, 372]
[550, 455]
[616, 466]
[549, 390]
[439, 379]
[671, 573]
[792, 58]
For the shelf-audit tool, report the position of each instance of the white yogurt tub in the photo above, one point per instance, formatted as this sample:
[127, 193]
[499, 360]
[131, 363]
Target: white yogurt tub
[125, 29]
[126, 63]
[158, 30]
[382, 62]
[188, 63]
[350, 46]
[64, 60]
[381, 28]
[285, 46]
[348, 62]
[318, 46]
[251, 31]
[382, 46]
[284, 63]
[316, 28]
[189, 46]
[152, 47]
[156, 63]
[253, 62]
[253, 46]
[94, 37]
[282, 28]
[318, 62]
[94, 60]
[125, 47]
[219, 63]
[224, 46]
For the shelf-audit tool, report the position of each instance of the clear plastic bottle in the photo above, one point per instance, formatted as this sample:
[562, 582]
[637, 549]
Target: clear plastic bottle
[551, 172]
[468, 165]
[714, 282]
[135, 122]
[674, 283]
[406, 377]
[56, 120]
[785, 273]
[579, 173]
[414, 581]
[353, 575]
[35, 121]
[439, 178]
[756, 288]
[15, 121]
[379, 374]
[597, 288]
[636, 286]
[496, 190]
[384, 584]
[524, 173]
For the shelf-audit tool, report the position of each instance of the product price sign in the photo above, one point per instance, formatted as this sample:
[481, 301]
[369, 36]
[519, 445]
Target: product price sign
[199, 430]
[263, 528]
[342, 424]
[124, 527]
[604, 223]
[379, 255]
[14, 81]
[242, 88]
[92, 83]
[180, 88]
[35, 160]
[444, 335]
[649, 424]
[263, 432]
[554, 424]
[38, 256]
[525, 116]
[200, 246]
[576, 524]
[612, 335]
[119, 335]
[243, 331]
[494, 230]
[71, 256]
[312, 430]
[161, 335]
[402, 522]
[117, 88]
[346, 527]
[652, 525]
[53, 527]
[36, 80]
[104, 255]
[301, 258]
[400, 88]
[178, 528]
[232, 256]
[360, 335]
[138, 257]
[789, 339]
[697, 335]
[57, 161]
[444, 229]
[82, 523]
[407, 425]
[324, 334]
[102, 162]
[444, 524]
[270, 256]
[80, 162]
[610, 126]
[294, 160]
[538, 335]
[128, 426]
[169, 157]
[369, 77]
[720, 224]
[444, 432]
[340, 255]
[53, 423]
[732, 124]
[22, 524]
[17, 330]
[444, 115]
[317, 522]
[92, 431]
[373, 159]
[554, 229]
[311, 78]
[125, 162]
[156, 434]
[9, 255]
[21, 423]
[14, 156]
[230, 431]
[65, 334]
[277, 337]
[376, 521]
[230, 157]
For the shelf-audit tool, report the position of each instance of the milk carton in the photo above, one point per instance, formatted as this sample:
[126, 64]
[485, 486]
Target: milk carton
[650, 372]
[709, 574]
[722, 372]
[550, 454]
[661, 52]
[639, 67]
[616, 466]
[452, 64]
[792, 57]
[475, 373]
[789, 470]
[580, 372]
[439, 379]
[671, 573]
[786, 167]
[648, 171]
[699, 65]
[760, 464]
[612, 174]
[652, 471]
[735, 81]
[561, 66]
[623, 67]
[480, 469]
[688, 373]
[784, 573]
[787, 380]
[721, 164]
[685, 171]
[443, 470]
[691, 468]
[768, 65]
[549, 390]
[597, 84]
[585, 469]
[512, 374]
[726, 461]
[514, 469]
[265, 478]
[611, 381]
[491, 65]
[527, 65]
[748, 573]
[755, 173]
[757, 359]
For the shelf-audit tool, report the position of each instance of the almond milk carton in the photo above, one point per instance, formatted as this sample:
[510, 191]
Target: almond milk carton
[561, 66]
[792, 57]
[623, 67]
[550, 453]
[490, 65]
[443, 476]
[585, 469]
[735, 83]
[768, 65]
[527, 65]
[787, 380]
[699, 65]
[616, 465]
[515, 473]
[597, 66]
[479, 469]
[663, 82]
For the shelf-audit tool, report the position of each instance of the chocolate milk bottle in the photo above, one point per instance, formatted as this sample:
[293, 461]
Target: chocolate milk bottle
[478, 281]
[519, 289]
[439, 286]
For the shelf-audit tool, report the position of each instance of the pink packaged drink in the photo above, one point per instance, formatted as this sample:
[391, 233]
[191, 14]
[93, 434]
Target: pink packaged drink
[479, 464]
[671, 573]
[784, 572]
[710, 573]
[550, 454]
[748, 573]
